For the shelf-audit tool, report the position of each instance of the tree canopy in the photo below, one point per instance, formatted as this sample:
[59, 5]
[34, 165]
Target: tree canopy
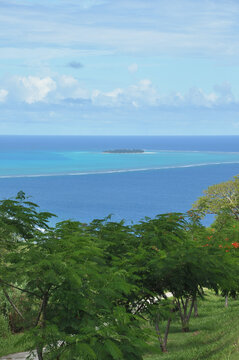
[85, 291]
[220, 198]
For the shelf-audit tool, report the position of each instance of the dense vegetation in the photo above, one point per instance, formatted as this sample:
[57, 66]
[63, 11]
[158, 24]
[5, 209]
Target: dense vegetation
[98, 290]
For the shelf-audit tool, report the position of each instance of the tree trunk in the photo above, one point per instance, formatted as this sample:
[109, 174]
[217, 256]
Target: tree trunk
[185, 327]
[39, 313]
[41, 319]
[195, 308]
[158, 330]
[12, 304]
[185, 314]
[165, 340]
[163, 348]
[162, 341]
[40, 353]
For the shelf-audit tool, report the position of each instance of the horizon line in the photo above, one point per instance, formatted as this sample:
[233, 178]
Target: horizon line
[120, 135]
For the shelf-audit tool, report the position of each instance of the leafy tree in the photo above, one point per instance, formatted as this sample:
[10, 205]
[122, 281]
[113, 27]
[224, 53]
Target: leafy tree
[20, 221]
[224, 235]
[191, 268]
[220, 198]
[223, 200]
[177, 263]
[88, 287]
[79, 297]
[157, 240]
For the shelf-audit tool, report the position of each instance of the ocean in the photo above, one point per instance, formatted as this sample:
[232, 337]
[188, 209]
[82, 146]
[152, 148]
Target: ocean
[71, 177]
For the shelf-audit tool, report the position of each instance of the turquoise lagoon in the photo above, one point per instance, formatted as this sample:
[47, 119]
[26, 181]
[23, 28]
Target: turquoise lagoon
[169, 176]
[50, 163]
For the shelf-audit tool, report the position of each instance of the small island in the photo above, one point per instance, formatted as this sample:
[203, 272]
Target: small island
[124, 151]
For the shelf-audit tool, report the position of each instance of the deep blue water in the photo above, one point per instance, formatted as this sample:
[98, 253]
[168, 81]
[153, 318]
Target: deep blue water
[129, 195]
[81, 143]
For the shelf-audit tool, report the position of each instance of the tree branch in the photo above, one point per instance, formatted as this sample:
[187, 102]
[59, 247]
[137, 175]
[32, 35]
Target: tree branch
[16, 287]
[13, 305]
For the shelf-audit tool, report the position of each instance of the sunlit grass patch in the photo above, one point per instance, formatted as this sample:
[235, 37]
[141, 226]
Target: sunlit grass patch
[213, 335]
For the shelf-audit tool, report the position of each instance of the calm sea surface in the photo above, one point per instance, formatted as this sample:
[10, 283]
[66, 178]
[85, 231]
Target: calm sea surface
[71, 177]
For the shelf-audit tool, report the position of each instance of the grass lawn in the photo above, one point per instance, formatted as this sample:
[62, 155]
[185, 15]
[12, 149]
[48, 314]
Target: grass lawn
[213, 335]
[9, 344]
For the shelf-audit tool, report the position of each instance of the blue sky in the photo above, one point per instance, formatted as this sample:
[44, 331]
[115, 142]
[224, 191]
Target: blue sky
[108, 67]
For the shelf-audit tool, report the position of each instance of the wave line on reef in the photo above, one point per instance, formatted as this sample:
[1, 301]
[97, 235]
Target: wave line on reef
[114, 171]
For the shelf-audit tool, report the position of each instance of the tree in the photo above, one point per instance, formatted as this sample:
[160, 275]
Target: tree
[170, 258]
[164, 261]
[224, 235]
[78, 298]
[88, 287]
[219, 198]
[222, 200]
[20, 222]
[139, 250]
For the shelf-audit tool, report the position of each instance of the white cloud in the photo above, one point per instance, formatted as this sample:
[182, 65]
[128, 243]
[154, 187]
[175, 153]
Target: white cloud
[70, 87]
[197, 97]
[145, 94]
[225, 92]
[133, 68]
[34, 89]
[3, 95]
[142, 93]
[55, 90]
[67, 81]
[111, 98]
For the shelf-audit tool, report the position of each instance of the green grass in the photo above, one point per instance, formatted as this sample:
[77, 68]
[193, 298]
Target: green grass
[213, 335]
[10, 344]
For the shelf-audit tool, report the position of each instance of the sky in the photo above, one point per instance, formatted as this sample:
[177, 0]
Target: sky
[119, 67]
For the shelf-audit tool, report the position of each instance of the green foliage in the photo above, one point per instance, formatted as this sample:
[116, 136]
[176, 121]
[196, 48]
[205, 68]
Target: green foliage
[12, 343]
[220, 198]
[213, 335]
[4, 327]
[21, 219]
[65, 273]
[84, 291]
